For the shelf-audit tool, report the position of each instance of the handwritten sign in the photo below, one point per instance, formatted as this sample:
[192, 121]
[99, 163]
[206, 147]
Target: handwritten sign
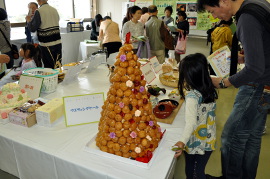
[32, 85]
[72, 74]
[148, 72]
[83, 109]
[220, 61]
[155, 64]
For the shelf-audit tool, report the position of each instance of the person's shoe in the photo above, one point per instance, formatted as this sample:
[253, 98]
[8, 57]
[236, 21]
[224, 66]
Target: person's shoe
[212, 177]
[264, 130]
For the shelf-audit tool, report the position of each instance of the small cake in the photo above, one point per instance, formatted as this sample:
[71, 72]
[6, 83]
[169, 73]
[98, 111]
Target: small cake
[25, 115]
[48, 113]
[11, 96]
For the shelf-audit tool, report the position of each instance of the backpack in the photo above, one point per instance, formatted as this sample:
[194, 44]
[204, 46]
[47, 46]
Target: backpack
[262, 15]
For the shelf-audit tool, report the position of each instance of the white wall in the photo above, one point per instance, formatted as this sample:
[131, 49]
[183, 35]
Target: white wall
[112, 6]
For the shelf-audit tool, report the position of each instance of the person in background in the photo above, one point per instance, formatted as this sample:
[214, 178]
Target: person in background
[167, 19]
[5, 32]
[182, 26]
[127, 17]
[168, 15]
[95, 24]
[145, 15]
[133, 26]
[242, 133]
[31, 55]
[222, 35]
[199, 136]
[3, 60]
[31, 37]
[46, 22]
[155, 32]
[109, 35]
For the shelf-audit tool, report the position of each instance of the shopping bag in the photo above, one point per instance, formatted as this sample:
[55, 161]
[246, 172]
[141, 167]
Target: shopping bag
[181, 44]
[144, 49]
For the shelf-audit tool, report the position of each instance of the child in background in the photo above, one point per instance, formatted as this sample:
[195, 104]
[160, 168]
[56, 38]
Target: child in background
[199, 135]
[31, 57]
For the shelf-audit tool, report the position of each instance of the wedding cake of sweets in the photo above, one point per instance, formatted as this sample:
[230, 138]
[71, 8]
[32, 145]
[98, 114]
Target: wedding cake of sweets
[11, 96]
[127, 126]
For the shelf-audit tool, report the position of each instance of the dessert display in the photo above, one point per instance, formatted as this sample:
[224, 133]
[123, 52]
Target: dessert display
[127, 126]
[11, 96]
[169, 76]
[47, 114]
[25, 115]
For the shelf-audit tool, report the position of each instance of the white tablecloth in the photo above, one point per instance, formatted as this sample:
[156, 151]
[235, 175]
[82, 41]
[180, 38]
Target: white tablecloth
[59, 152]
[70, 45]
[86, 50]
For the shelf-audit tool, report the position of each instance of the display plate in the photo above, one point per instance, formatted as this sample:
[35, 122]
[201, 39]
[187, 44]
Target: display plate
[92, 148]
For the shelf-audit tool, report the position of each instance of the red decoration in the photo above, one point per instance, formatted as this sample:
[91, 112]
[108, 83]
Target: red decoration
[128, 38]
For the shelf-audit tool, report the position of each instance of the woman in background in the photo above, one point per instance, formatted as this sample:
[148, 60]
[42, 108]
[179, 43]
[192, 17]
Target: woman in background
[168, 15]
[109, 35]
[182, 26]
[133, 26]
[127, 17]
[167, 19]
[5, 32]
[95, 27]
[145, 15]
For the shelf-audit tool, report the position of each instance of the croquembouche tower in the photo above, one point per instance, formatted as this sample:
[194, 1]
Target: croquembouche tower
[127, 126]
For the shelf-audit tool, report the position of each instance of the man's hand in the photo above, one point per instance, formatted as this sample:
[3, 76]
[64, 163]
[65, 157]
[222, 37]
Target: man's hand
[241, 58]
[216, 80]
[181, 145]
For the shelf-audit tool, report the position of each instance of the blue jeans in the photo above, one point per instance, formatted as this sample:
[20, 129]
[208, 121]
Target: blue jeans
[242, 133]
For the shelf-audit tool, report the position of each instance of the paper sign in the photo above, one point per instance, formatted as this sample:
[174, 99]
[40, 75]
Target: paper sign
[220, 61]
[155, 64]
[148, 72]
[83, 109]
[32, 85]
[72, 74]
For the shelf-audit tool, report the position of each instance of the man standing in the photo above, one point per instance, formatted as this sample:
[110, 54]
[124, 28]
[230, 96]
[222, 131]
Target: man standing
[155, 32]
[241, 136]
[31, 37]
[46, 22]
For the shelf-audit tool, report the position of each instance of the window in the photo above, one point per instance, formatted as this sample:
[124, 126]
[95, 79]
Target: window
[16, 14]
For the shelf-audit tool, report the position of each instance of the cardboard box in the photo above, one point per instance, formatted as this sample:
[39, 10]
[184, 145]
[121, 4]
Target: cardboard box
[22, 119]
[48, 113]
